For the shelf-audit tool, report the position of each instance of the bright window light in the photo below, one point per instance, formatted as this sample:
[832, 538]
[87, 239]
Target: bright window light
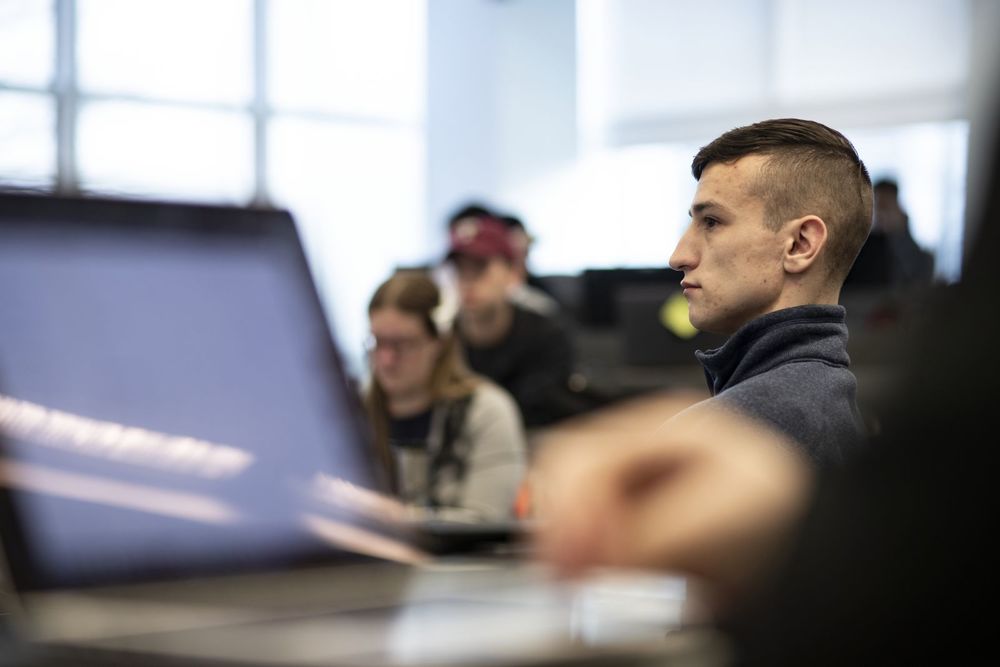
[27, 140]
[147, 150]
[27, 38]
[353, 58]
[167, 49]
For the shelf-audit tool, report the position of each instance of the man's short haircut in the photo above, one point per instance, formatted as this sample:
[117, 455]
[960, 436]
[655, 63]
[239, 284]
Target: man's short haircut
[886, 185]
[513, 222]
[470, 210]
[811, 169]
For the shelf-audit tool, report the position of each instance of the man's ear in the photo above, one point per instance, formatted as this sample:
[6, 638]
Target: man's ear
[807, 238]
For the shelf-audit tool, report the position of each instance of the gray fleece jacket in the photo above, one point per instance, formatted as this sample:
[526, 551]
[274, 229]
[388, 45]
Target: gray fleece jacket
[790, 369]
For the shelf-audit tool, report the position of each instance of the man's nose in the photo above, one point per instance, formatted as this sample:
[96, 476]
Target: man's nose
[684, 257]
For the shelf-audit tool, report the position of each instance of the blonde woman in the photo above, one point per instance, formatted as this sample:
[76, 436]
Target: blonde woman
[451, 441]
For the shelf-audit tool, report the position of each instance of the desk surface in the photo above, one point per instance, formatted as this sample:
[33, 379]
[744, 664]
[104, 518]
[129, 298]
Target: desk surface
[454, 610]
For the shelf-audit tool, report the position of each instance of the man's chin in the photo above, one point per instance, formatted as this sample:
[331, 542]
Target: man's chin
[709, 326]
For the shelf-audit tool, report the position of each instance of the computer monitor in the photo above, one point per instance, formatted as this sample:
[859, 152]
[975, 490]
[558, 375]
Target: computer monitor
[600, 288]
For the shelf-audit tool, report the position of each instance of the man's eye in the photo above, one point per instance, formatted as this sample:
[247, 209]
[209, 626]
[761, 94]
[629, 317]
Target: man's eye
[710, 222]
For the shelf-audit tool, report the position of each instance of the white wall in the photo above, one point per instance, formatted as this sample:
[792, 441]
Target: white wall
[501, 99]
[537, 89]
[463, 106]
[685, 69]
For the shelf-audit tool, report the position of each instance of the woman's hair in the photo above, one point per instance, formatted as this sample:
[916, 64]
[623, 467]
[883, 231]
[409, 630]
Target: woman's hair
[414, 293]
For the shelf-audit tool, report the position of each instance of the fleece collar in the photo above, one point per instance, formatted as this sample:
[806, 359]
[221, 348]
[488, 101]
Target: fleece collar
[801, 333]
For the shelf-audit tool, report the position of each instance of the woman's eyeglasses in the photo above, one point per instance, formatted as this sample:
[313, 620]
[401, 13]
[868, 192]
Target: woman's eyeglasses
[401, 345]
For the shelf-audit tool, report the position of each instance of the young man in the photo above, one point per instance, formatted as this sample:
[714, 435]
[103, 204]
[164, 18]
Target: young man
[528, 354]
[781, 210]
[910, 265]
[891, 260]
[874, 562]
[526, 291]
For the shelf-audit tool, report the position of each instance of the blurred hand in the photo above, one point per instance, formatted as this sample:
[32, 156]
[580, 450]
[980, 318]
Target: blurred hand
[705, 493]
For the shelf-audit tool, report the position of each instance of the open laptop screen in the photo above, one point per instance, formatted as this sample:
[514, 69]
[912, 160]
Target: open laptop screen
[170, 398]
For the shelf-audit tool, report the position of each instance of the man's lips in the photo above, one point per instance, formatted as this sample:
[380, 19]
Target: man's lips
[686, 286]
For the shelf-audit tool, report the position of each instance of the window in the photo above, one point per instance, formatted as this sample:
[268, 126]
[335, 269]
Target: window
[184, 50]
[27, 43]
[27, 138]
[177, 152]
[313, 105]
[356, 49]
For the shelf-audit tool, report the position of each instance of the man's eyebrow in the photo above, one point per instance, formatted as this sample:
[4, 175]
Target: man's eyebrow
[703, 206]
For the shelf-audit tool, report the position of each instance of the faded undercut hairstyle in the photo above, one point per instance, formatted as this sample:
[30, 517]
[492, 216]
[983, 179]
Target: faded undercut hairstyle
[811, 169]
[414, 293]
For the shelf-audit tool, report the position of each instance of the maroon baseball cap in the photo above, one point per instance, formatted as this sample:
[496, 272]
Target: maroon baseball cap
[480, 237]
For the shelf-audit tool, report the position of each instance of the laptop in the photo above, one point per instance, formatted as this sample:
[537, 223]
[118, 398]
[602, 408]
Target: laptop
[185, 470]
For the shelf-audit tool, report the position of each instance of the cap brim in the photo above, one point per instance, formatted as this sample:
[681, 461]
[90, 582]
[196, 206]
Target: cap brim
[470, 252]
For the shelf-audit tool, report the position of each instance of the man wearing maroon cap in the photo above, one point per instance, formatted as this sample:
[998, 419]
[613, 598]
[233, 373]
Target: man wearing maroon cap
[527, 353]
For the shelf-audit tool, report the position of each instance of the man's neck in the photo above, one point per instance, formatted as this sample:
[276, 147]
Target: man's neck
[487, 327]
[408, 405]
[808, 293]
[829, 295]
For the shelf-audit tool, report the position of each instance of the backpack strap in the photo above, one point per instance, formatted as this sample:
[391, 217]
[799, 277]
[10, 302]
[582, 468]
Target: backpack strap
[450, 458]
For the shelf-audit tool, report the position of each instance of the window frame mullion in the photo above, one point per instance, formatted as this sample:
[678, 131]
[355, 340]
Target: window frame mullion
[66, 94]
[261, 113]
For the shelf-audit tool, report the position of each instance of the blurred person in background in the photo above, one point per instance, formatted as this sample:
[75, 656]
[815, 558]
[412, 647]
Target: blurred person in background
[529, 354]
[891, 262]
[910, 265]
[451, 441]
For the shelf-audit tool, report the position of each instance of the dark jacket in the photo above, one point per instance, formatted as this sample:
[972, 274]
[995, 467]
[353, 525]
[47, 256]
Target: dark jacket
[895, 560]
[533, 362]
[790, 369]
